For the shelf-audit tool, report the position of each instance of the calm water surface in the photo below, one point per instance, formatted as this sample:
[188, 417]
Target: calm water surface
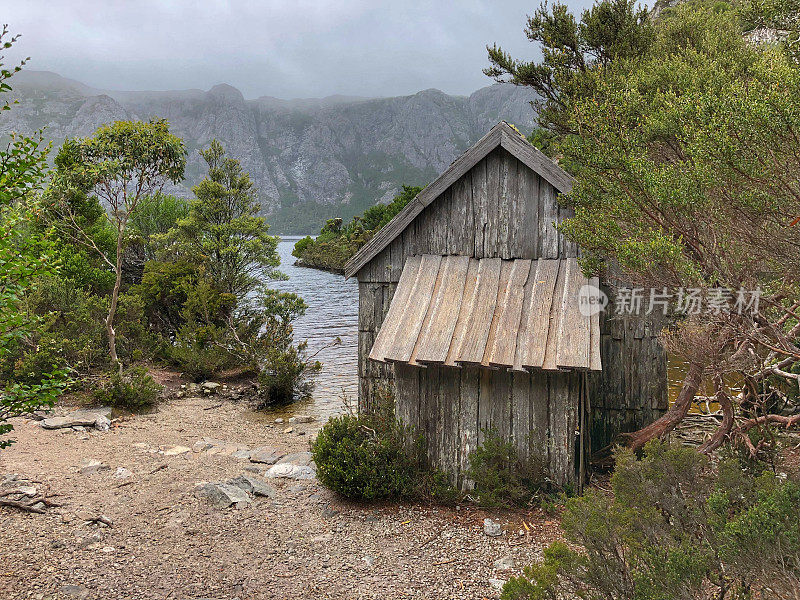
[332, 312]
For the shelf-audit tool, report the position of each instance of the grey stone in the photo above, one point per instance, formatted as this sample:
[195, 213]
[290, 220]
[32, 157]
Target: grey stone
[279, 420]
[223, 495]
[492, 528]
[290, 471]
[210, 387]
[266, 455]
[505, 563]
[301, 419]
[252, 485]
[497, 584]
[87, 417]
[74, 591]
[102, 423]
[174, 450]
[302, 459]
[241, 454]
[90, 465]
[122, 473]
[202, 446]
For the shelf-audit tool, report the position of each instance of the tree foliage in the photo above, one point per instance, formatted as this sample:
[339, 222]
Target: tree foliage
[25, 255]
[675, 529]
[112, 172]
[223, 227]
[337, 243]
[683, 135]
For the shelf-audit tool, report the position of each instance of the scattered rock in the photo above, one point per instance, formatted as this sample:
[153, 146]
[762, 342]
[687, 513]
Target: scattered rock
[302, 459]
[369, 561]
[202, 446]
[102, 423]
[122, 473]
[301, 419]
[210, 387]
[74, 591]
[223, 495]
[90, 465]
[79, 418]
[265, 455]
[290, 471]
[288, 430]
[505, 563]
[174, 450]
[253, 486]
[279, 420]
[492, 528]
[241, 454]
[497, 584]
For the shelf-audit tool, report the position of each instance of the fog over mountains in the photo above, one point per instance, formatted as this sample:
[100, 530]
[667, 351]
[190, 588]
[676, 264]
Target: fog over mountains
[310, 159]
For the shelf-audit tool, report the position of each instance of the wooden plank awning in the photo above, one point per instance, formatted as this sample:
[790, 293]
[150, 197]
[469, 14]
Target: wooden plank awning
[517, 314]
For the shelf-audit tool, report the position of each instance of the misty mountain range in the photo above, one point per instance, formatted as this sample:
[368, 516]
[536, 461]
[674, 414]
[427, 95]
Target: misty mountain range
[311, 159]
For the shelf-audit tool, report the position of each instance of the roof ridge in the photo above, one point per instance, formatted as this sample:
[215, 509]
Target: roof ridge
[504, 135]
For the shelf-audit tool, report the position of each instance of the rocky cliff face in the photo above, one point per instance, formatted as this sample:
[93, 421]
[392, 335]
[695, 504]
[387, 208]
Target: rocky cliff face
[310, 159]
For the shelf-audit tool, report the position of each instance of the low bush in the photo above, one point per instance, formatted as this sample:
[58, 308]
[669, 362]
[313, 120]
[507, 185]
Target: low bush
[675, 528]
[134, 390]
[369, 457]
[500, 477]
[357, 461]
[286, 375]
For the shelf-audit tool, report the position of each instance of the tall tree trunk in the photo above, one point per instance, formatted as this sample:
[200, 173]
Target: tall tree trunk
[112, 309]
[661, 427]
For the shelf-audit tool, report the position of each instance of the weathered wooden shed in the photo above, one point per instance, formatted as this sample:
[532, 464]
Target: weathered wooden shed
[468, 310]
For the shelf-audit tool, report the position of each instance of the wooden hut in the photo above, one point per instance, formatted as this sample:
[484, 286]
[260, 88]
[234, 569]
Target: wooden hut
[468, 310]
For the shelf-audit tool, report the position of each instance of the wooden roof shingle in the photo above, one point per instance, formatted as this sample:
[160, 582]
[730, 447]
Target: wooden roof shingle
[517, 314]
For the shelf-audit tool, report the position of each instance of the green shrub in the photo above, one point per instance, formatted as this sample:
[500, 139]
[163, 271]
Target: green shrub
[500, 477]
[286, 375]
[675, 528]
[356, 461]
[368, 457]
[134, 390]
[200, 350]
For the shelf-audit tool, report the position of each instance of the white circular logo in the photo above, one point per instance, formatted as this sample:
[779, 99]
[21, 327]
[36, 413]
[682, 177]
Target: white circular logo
[591, 300]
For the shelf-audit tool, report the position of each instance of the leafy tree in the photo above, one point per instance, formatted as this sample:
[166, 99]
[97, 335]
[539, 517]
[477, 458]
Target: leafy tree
[572, 50]
[685, 154]
[25, 256]
[223, 227]
[117, 168]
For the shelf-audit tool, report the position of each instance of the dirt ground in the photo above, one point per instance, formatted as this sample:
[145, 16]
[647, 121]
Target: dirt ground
[165, 543]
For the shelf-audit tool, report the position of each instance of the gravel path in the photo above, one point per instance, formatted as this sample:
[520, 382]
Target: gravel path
[166, 543]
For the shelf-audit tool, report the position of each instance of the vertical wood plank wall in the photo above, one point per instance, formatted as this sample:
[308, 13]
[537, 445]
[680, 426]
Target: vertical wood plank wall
[500, 208]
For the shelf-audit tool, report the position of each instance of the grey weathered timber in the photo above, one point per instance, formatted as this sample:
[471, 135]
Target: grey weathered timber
[445, 310]
[482, 307]
[536, 328]
[509, 315]
[574, 339]
[557, 384]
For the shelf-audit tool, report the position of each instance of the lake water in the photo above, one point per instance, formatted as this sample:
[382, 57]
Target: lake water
[332, 312]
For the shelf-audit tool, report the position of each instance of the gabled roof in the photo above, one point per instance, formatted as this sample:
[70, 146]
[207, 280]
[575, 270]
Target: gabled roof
[501, 135]
[516, 314]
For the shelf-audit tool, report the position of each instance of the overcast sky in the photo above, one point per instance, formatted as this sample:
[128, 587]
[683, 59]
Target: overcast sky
[283, 48]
